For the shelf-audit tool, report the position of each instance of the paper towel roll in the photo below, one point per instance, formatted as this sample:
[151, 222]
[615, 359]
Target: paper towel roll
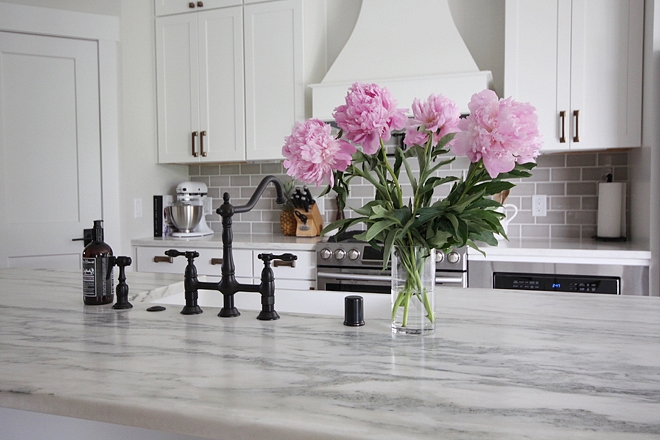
[611, 209]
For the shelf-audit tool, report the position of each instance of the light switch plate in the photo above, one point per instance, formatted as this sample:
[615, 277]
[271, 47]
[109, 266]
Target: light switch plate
[137, 208]
[539, 208]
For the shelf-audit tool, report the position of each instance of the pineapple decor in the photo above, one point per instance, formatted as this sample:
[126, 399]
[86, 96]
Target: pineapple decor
[287, 218]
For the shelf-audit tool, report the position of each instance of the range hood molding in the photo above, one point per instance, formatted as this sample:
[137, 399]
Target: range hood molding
[421, 53]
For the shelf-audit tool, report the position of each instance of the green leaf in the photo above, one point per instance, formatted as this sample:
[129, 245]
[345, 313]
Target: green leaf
[377, 228]
[453, 220]
[342, 224]
[366, 210]
[400, 216]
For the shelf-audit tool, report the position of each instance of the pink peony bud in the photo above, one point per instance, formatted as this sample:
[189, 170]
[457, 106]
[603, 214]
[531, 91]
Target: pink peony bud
[437, 116]
[369, 115]
[501, 132]
[312, 154]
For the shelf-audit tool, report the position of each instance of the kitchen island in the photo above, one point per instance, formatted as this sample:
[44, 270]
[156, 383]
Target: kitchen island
[501, 365]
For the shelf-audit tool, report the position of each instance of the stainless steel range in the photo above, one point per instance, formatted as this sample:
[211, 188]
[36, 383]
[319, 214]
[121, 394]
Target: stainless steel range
[346, 264]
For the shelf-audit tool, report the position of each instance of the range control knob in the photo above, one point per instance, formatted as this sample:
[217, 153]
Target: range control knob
[453, 257]
[325, 253]
[353, 254]
[340, 254]
[439, 256]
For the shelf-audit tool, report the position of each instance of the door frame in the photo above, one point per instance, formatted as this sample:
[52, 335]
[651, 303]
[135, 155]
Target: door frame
[104, 29]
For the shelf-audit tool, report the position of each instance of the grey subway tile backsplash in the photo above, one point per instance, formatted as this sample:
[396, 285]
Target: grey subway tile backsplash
[568, 180]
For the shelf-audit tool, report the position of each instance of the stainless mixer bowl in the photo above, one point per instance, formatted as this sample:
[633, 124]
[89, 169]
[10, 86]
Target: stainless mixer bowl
[185, 217]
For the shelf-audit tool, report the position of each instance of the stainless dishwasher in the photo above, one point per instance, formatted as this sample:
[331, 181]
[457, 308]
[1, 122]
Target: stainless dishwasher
[581, 278]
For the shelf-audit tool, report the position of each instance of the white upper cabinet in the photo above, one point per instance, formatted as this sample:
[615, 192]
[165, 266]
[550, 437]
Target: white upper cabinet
[200, 86]
[579, 62]
[230, 84]
[168, 7]
[274, 89]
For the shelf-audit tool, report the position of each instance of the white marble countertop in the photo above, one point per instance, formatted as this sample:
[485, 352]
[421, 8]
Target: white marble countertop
[501, 365]
[587, 251]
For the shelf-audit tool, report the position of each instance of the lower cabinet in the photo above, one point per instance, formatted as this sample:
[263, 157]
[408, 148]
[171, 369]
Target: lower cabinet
[299, 274]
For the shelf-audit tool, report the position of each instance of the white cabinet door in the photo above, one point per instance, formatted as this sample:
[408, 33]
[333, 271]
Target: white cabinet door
[274, 89]
[579, 62]
[50, 166]
[177, 74]
[222, 113]
[200, 87]
[167, 7]
[606, 73]
[531, 61]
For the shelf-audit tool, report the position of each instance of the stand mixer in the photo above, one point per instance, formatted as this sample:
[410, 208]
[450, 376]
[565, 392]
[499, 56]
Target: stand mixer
[191, 197]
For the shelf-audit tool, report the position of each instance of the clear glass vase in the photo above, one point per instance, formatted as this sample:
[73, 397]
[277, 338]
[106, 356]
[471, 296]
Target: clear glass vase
[413, 281]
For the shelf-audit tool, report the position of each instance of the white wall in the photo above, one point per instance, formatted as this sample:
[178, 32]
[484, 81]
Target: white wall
[139, 174]
[481, 24]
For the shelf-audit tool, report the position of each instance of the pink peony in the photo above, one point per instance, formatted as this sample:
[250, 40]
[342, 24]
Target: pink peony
[437, 116]
[312, 153]
[369, 115]
[501, 132]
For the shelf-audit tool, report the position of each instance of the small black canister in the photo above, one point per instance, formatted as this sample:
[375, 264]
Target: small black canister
[353, 311]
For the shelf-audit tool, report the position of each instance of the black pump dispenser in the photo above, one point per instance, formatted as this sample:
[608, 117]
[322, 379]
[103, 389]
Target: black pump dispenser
[98, 273]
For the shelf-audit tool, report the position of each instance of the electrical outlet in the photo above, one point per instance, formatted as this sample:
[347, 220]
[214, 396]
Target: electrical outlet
[539, 205]
[137, 208]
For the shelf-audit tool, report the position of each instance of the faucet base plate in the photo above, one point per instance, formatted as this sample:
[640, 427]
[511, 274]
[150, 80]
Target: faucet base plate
[229, 312]
[191, 310]
[268, 316]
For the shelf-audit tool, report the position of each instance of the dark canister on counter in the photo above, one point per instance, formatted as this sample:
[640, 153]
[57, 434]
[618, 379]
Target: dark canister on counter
[98, 273]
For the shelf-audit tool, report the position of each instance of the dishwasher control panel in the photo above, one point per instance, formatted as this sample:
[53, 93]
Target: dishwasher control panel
[556, 282]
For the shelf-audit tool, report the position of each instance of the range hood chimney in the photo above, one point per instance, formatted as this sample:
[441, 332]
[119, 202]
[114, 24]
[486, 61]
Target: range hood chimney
[411, 47]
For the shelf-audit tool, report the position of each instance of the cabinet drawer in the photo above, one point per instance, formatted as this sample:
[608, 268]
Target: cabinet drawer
[167, 7]
[210, 262]
[303, 269]
[152, 259]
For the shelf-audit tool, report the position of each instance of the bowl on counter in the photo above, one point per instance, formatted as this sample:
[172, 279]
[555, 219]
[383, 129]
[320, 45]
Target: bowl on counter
[185, 217]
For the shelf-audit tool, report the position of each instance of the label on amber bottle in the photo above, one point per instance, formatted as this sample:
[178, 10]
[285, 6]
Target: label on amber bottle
[96, 280]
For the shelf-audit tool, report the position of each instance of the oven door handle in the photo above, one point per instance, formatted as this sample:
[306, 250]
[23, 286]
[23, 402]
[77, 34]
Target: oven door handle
[344, 276]
[358, 277]
[449, 280]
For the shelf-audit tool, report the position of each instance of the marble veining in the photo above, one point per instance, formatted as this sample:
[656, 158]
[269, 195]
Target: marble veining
[501, 365]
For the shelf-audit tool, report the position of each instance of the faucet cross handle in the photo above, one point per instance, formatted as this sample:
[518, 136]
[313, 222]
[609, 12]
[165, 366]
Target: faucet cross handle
[190, 255]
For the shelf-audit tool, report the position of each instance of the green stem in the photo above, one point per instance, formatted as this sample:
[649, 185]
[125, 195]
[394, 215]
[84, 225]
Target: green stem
[395, 178]
[413, 263]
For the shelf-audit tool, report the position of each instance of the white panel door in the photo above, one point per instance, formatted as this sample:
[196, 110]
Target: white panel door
[50, 167]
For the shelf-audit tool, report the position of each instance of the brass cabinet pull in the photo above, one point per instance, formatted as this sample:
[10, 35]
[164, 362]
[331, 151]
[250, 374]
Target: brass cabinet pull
[576, 115]
[200, 4]
[163, 259]
[278, 263]
[191, 5]
[192, 141]
[216, 261]
[201, 143]
[562, 123]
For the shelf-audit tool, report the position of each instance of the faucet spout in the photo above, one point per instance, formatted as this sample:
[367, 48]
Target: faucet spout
[281, 199]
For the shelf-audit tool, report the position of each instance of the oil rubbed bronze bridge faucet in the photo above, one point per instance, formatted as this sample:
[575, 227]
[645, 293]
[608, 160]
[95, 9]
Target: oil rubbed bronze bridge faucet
[228, 285]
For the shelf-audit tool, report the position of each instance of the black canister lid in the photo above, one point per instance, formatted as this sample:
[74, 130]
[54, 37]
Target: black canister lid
[353, 311]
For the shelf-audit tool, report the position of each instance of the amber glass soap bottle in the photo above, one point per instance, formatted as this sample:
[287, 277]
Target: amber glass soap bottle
[98, 273]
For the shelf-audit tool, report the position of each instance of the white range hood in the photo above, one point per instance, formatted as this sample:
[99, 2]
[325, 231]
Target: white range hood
[412, 47]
